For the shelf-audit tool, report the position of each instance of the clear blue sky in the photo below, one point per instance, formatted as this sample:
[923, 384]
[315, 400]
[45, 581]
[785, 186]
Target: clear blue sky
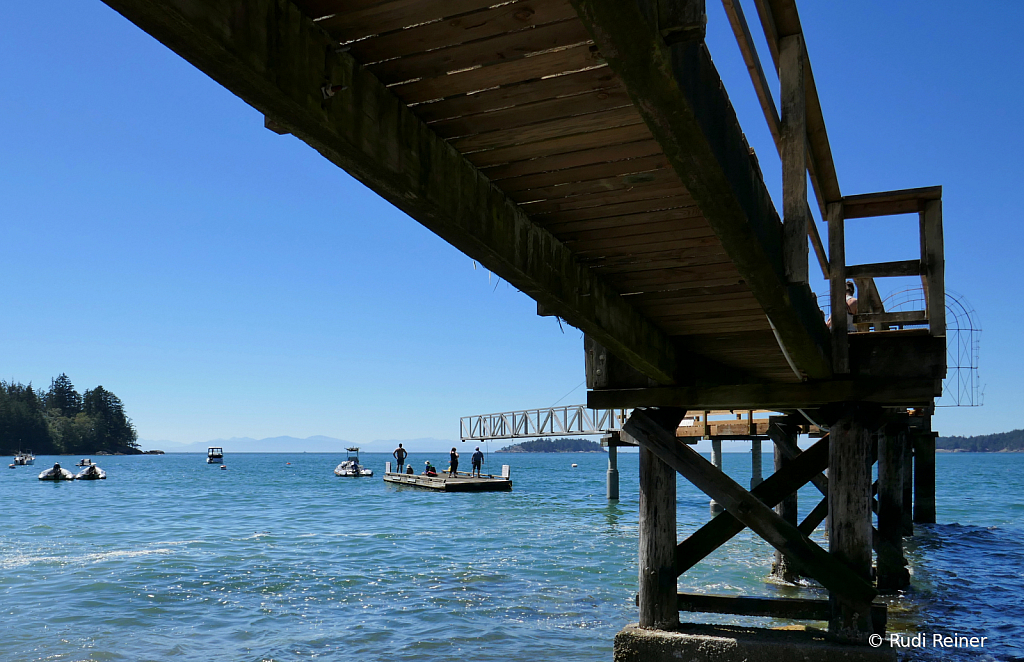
[226, 281]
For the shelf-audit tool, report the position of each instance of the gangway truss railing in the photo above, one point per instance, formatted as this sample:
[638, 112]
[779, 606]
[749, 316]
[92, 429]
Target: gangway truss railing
[546, 422]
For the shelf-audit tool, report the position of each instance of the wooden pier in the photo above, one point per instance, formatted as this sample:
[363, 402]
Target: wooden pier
[462, 482]
[586, 151]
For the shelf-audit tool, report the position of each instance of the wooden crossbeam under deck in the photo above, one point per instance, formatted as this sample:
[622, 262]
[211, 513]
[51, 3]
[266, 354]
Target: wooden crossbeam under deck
[813, 561]
[770, 491]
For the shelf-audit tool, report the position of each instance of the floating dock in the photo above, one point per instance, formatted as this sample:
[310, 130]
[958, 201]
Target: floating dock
[462, 482]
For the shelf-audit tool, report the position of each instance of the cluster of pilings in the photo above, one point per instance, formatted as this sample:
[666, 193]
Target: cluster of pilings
[862, 560]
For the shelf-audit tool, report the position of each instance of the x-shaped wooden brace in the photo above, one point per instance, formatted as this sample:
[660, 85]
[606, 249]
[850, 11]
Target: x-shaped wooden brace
[743, 508]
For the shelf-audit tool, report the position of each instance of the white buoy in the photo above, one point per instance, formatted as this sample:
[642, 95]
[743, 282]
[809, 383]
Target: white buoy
[573, 465]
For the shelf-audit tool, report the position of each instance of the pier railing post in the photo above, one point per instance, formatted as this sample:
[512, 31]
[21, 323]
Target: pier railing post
[849, 512]
[892, 566]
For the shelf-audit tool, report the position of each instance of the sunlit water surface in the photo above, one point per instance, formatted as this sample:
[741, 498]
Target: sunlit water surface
[171, 558]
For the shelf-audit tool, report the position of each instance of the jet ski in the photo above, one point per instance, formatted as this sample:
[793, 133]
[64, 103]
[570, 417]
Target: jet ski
[56, 473]
[91, 472]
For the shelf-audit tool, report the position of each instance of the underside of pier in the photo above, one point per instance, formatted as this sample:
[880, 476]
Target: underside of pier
[586, 151]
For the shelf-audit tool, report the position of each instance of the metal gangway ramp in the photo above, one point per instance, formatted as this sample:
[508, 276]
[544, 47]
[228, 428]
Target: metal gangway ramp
[544, 422]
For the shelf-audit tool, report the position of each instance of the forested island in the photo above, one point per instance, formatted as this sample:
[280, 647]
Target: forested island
[60, 420]
[1006, 442]
[560, 445]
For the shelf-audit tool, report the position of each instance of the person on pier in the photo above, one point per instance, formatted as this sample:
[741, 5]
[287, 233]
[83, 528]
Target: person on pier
[478, 460]
[400, 455]
[453, 469]
[851, 307]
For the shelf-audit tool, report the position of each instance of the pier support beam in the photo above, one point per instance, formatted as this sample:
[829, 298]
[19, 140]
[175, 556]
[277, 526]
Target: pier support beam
[755, 463]
[716, 459]
[908, 483]
[658, 587]
[613, 469]
[892, 574]
[849, 511]
[924, 478]
[783, 568]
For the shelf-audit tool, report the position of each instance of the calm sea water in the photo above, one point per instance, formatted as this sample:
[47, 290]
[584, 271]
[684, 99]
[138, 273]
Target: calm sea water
[171, 558]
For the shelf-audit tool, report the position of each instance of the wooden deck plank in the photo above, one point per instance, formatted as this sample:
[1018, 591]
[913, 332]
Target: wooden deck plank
[597, 79]
[532, 113]
[345, 25]
[504, 48]
[477, 27]
[564, 144]
[617, 150]
[687, 216]
[600, 199]
[656, 180]
[547, 130]
[585, 173]
[615, 210]
[482, 78]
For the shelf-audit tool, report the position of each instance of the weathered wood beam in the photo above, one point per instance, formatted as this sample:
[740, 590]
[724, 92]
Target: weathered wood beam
[657, 543]
[814, 518]
[794, 608]
[780, 19]
[794, 158]
[770, 491]
[783, 567]
[837, 287]
[279, 61]
[812, 559]
[888, 391]
[933, 266]
[679, 93]
[787, 445]
[905, 317]
[748, 50]
[924, 477]
[890, 203]
[849, 513]
[884, 269]
[892, 573]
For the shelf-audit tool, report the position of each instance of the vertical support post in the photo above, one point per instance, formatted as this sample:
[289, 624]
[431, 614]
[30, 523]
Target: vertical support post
[924, 478]
[793, 149]
[716, 459]
[659, 607]
[837, 265]
[892, 566]
[613, 468]
[933, 275]
[849, 514]
[783, 568]
[755, 463]
[908, 483]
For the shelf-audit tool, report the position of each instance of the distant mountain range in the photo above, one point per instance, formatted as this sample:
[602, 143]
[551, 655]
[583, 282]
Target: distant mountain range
[314, 444]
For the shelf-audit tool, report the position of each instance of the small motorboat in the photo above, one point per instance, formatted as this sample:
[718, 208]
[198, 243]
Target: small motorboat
[24, 459]
[84, 462]
[56, 473]
[223, 467]
[91, 472]
[214, 455]
[351, 468]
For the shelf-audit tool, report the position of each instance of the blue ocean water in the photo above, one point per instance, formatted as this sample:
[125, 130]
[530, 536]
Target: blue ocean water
[171, 558]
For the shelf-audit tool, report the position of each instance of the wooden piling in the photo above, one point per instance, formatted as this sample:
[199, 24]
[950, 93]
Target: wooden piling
[892, 571]
[613, 469]
[658, 608]
[908, 483]
[924, 478]
[849, 514]
[783, 568]
[716, 459]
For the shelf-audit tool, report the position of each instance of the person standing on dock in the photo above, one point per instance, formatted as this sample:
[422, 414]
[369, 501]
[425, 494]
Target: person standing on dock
[400, 455]
[453, 470]
[478, 460]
